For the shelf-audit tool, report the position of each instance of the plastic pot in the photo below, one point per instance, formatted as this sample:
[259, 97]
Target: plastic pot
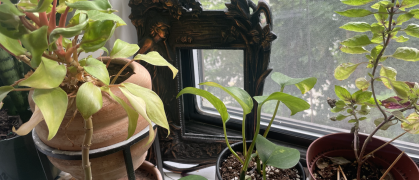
[238, 147]
[339, 145]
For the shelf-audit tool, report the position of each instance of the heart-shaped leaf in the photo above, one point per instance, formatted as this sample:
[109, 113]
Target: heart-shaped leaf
[48, 75]
[412, 124]
[293, 103]
[97, 33]
[276, 156]
[390, 73]
[12, 45]
[97, 69]
[122, 49]
[345, 70]
[53, 105]
[303, 84]
[36, 43]
[156, 59]
[88, 99]
[240, 95]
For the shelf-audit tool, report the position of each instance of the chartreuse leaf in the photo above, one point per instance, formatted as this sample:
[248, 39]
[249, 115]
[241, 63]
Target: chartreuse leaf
[96, 15]
[96, 35]
[385, 126]
[354, 13]
[341, 117]
[293, 103]
[303, 84]
[362, 83]
[27, 127]
[403, 18]
[67, 32]
[240, 95]
[193, 177]
[344, 70]
[377, 29]
[353, 50]
[155, 108]
[102, 5]
[412, 124]
[390, 73]
[105, 50]
[361, 96]
[48, 75]
[407, 54]
[357, 41]
[43, 5]
[382, 3]
[122, 49]
[408, 4]
[155, 59]
[132, 114]
[77, 18]
[342, 93]
[382, 14]
[97, 69]
[139, 105]
[365, 110]
[412, 30]
[53, 105]
[274, 155]
[216, 102]
[401, 39]
[356, 2]
[4, 90]
[357, 26]
[12, 45]
[88, 99]
[36, 43]
[400, 88]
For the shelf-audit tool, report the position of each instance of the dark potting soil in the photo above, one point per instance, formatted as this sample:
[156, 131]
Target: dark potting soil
[6, 124]
[113, 69]
[325, 169]
[231, 167]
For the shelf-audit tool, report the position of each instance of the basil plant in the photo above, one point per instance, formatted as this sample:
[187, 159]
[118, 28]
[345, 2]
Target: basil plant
[393, 24]
[59, 74]
[267, 152]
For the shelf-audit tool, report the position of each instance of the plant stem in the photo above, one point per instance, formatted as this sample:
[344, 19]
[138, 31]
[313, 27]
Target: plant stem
[246, 164]
[228, 144]
[26, 23]
[391, 166]
[264, 171]
[257, 164]
[63, 17]
[375, 150]
[272, 120]
[244, 135]
[52, 21]
[120, 71]
[88, 133]
[33, 18]
[43, 19]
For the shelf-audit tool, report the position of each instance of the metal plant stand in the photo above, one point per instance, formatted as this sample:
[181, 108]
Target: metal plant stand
[124, 146]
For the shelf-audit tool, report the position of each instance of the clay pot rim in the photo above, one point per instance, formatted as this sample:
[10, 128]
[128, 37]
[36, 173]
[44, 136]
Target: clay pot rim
[122, 61]
[148, 166]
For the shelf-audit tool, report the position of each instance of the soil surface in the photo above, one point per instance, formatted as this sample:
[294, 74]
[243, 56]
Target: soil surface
[113, 69]
[231, 167]
[6, 124]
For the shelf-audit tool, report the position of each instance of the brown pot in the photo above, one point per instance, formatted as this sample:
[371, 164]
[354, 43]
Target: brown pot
[147, 171]
[339, 145]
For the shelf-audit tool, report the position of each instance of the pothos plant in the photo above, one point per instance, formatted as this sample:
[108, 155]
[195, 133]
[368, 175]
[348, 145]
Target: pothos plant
[267, 152]
[391, 17]
[60, 77]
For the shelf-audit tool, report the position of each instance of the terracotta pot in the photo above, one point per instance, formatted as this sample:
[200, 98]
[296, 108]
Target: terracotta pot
[147, 171]
[110, 124]
[238, 147]
[339, 145]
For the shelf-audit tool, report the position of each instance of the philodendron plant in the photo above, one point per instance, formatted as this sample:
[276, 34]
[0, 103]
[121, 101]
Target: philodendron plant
[391, 21]
[267, 152]
[60, 77]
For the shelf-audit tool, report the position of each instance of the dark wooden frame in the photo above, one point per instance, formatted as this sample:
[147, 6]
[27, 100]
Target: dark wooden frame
[175, 27]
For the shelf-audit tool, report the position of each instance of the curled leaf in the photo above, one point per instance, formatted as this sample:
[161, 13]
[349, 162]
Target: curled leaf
[27, 127]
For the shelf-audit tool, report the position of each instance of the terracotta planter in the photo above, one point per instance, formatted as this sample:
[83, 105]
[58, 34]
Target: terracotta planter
[238, 147]
[339, 145]
[147, 171]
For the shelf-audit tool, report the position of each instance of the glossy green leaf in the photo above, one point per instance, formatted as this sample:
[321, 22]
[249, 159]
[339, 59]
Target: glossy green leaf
[357, 41]
[356, 2]
[344, 70]
[274, 155]
[67, 32]
[293, 103]
[193, 177]
[407, 54]
[403, 18]
[102, 5]
[342, 93]
[216, 102]
[412, 30]
[385, 126]
[139, 105]
[96, 15]
[36, 43]
[357, 26]
[96, 35]
[408, 4]
[4, 90]
[132, 114]
[412, 124]
[382, 14]
[43, 5]
[240, 95]
[155, 107]
[401, 39]
[156, 59]
[361, 96]
[382, 3]
[354, 13]
[88, 99]
[12, 45]
[122, 49]
[390, 73]
[53, 105]
[365, 110]
[362, 83]
[48, 75]
[303, 84]
[97, 69]
[400, 88]
[353, 50]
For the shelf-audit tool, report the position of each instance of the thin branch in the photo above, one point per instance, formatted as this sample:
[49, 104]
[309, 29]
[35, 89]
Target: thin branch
[33, 18]
[375, 150]
[27, 24]
[391, 166]
[343, 174]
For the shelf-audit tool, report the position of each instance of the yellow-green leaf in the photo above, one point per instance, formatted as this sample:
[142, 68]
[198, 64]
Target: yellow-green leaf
[357, 26]
[12, 45]
[48, 75]
[362, 84]
[357, 41]
[122, 49]
[97, 69]
[43, 5]
[156, 59]
[36, 42]
[407, 54]
[344, 70]
[412, 124]
[88, 99]
[353, 50]
[390, 73]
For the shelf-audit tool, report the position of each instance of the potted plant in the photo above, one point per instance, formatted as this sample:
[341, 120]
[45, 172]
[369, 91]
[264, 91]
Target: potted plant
[64, 87]
[366, 151]
[268, 155]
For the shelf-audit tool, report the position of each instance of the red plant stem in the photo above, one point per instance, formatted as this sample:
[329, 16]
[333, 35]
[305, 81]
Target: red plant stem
[43, 19]
[52, 20]
[60, 51]
[63, 17]
[27, 24]
[33, 18]
[70, 52]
